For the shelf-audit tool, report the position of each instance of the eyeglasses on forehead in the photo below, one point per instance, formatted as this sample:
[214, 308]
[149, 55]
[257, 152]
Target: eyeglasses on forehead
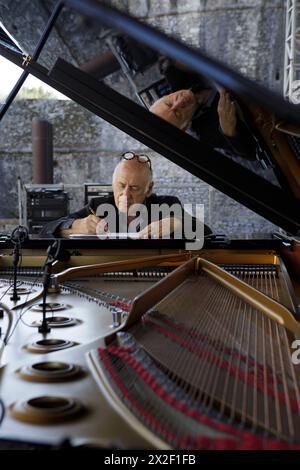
[141, 158]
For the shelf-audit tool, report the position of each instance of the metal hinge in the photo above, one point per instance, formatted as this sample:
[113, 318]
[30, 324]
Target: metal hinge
[26, 60]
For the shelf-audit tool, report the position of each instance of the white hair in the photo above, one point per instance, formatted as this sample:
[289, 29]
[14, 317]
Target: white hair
[122, 161]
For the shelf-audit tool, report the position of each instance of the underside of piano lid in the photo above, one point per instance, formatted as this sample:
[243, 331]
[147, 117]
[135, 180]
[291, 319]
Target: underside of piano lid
[210, 365]
[267, 180]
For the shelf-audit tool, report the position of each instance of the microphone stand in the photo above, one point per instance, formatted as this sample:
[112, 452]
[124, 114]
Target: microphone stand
[18, 236]
[16, 257]
[53, 253]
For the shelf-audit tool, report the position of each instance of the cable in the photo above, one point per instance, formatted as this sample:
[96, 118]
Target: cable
[10, 323]
[53, 253]
[5, 292]
[33, 305]
[20, 316]
[10, 320]
[17, 237]
[22, 312]
[2, 412]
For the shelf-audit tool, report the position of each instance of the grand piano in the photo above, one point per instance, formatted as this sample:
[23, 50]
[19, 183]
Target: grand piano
[127, 344]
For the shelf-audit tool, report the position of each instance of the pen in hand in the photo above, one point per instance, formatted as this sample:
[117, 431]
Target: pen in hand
[92, 211]
[102, 226]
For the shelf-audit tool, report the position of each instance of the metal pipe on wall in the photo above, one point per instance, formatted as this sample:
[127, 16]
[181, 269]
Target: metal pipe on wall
[101, 66]
[42, 151]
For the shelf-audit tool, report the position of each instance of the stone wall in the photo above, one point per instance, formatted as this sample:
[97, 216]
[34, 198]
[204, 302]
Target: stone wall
[248, 35]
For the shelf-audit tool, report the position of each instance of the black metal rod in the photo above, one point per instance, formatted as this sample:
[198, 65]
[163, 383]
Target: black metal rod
[44, 328]
[196, 60]
[18, 236]
[16, 257]
[49, 26]
[53, 254]
[37, 51]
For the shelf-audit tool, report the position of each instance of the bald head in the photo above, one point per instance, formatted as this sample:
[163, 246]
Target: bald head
[177, 108]
[132, 183]
[135, 168]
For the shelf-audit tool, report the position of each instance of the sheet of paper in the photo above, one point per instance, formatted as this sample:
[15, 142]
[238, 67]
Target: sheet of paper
[110, 235]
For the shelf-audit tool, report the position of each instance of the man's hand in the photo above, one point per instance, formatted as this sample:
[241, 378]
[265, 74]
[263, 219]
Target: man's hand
[87, 226]
[227, 114]
[161, 228]
[102, 227]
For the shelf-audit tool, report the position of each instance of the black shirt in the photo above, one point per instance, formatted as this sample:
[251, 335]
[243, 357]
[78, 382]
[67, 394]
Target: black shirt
[53, 229]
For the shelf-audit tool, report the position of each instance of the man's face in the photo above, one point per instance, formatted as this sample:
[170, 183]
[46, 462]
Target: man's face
[177, 108]
[131, 184]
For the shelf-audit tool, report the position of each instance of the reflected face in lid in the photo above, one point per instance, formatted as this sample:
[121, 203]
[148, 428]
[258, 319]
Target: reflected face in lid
[177, 108]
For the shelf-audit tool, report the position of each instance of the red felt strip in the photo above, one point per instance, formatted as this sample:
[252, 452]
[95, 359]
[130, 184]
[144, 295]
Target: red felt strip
[233, 371]
[246, 440]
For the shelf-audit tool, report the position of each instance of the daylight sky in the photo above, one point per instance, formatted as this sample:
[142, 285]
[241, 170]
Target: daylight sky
[9, 74]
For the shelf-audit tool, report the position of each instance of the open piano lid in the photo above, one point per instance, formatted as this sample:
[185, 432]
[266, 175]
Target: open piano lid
[7, 41]
[269, 186]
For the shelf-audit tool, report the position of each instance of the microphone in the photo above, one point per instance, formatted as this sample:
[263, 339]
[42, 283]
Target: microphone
[18, 236]
[54, 253]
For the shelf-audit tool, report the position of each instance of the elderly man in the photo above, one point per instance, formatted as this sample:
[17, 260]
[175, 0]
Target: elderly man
[132, 188]
[210, 114]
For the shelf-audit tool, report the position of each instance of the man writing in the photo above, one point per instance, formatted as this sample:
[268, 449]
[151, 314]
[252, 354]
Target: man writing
[132, 186]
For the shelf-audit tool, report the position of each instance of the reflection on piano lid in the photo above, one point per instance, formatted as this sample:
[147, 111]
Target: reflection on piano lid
[270, 185]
